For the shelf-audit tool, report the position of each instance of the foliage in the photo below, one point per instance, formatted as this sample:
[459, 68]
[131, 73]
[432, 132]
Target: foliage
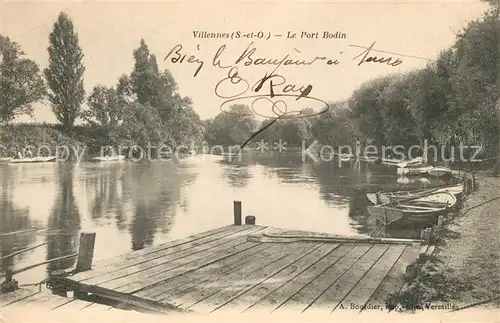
[230, 128]
[65, 72]
[106, 112]
[20, 81]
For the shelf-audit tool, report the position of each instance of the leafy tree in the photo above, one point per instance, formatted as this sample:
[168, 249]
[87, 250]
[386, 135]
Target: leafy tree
[233, 127]
[65, 72]
[105, 111]
[20, 81]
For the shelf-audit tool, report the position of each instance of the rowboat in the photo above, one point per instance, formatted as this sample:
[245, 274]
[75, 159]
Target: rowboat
[415, 162]
[369, 159]
[386, 197]
[109, 158]
[414, 171]
[420, 210]
[439, 172]
[33, 160]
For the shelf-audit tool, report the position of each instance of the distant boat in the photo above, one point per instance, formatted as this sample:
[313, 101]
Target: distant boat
[33, 160]
[391, 162]
[414, 171]
[192, 152]
[109, 158]
[439, 172]
[369, 159]
[5, 160]
[414, 210]
[415, 162]
[386, 197]
[344, 157]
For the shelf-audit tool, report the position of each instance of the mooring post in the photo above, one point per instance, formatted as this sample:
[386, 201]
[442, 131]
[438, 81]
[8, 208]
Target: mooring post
[473, 181]
[425, 235]
[10, 284]
[57, 284]
[250, 219]
[237, 212]
[85, 251]
[440, 221]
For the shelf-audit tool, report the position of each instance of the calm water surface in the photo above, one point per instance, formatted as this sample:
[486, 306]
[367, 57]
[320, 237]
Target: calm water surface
[131, 206]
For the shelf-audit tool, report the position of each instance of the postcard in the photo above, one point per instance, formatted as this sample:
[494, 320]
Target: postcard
[290, 161]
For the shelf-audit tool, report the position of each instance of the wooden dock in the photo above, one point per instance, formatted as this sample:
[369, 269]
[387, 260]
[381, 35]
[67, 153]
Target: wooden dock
[44, 299]
[249, 268]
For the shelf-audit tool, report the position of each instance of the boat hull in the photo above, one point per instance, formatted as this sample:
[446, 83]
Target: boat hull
[417, 210]
[109, 159]
[33, 160]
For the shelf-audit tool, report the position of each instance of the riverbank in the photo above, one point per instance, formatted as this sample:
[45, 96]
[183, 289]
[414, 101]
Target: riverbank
[464, 270]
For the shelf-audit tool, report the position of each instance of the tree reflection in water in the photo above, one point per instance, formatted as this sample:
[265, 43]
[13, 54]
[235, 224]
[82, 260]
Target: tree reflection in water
[64, 220]
[12, 219]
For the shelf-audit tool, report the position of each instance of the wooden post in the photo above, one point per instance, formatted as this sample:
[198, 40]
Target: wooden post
[425, 235]
[250, 219]
[440, 221]
[8, 275]
[85, 251]
[473, 181]
[237, 212]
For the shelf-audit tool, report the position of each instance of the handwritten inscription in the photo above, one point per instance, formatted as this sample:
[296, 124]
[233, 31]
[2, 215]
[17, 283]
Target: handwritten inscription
[272, 89]
[249, 57]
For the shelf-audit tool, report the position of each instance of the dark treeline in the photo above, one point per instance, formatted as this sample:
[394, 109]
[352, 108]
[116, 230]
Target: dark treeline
[451, 100]
[143, 107]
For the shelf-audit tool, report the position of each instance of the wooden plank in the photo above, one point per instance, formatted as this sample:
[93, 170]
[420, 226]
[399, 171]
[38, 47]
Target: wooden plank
[119, 265]
[7, 299]
[139, 280]
[187, 266]
[160, 259]
[286, 291]
[95, 307]
[315, 288]
[361, 293]
[75, 304]
[189, 279]
[30, 299]
[394, 280]
[215, 283]
[340, 288]
[138, 253]
[259, 291]
[46, 301]
[219, 299]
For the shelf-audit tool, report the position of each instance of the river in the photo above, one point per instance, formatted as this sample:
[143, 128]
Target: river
[134, 205]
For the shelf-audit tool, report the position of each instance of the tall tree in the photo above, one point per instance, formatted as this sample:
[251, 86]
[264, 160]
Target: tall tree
[20, 81]
[65, 72]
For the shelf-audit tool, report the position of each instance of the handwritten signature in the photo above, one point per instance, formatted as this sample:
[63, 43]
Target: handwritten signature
[272, 89]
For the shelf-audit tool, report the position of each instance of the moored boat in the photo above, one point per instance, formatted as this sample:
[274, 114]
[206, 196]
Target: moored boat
[33, 160]
[439, 172]
[423, 209]
[109, 158]
[415, 162]
[386, 197]
[414, 171]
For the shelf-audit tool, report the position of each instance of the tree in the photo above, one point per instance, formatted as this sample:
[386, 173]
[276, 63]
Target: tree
[105, 111]
[20, 81]
[233, 127]
[65, 72]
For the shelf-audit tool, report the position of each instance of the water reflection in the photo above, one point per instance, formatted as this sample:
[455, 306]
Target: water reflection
[12, 219]
[131, 206]
[64, 221]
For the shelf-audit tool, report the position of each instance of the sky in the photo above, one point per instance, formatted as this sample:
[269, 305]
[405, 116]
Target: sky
[110, 31]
